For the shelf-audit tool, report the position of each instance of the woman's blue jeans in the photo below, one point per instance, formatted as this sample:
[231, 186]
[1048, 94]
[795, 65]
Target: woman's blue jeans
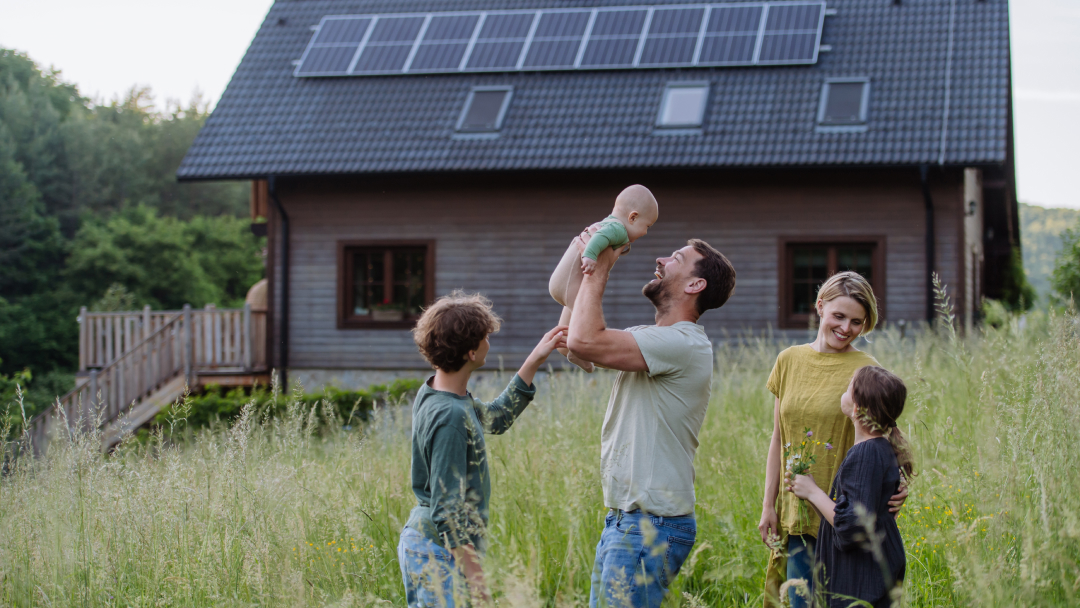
[638, 557]
[429, 573]
[800, 564]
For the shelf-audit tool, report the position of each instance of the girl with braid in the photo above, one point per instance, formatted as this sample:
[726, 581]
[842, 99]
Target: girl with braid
[855, 564]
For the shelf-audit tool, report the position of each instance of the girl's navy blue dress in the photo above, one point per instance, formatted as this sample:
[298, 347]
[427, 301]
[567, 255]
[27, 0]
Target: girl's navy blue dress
[869, 476]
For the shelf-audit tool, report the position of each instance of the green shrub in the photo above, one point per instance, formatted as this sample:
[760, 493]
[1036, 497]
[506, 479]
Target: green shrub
[222, 405]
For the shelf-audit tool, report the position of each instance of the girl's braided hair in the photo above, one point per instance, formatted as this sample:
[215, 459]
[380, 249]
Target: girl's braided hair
[879, 396]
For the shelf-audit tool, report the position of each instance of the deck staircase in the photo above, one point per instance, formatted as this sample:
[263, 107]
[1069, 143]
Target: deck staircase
[133, 364]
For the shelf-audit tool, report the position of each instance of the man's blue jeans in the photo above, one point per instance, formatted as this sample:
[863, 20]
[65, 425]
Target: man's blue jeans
[429, 573]
[638, 557]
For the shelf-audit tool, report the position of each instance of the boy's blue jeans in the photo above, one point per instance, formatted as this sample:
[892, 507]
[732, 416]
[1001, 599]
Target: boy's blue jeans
[638, 557]
[429, 573]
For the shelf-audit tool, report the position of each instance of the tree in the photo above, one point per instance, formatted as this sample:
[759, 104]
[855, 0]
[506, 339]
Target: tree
[89, 199]
[163, 261]
[1066, 275]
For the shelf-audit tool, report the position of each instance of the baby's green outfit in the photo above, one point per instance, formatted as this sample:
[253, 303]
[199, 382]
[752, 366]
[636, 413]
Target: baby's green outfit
[612, 233]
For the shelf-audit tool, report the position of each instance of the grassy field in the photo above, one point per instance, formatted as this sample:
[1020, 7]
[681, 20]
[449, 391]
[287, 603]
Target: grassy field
[271, 514]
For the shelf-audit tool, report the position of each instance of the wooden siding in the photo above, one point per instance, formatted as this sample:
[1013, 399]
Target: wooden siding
[503, 236]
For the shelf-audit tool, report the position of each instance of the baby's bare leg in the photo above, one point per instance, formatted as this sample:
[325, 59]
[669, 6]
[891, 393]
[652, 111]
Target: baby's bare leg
[564, 319]
[567, 276]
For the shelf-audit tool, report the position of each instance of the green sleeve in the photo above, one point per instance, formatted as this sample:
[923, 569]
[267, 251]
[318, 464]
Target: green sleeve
[449, 461]
[499, 415]
[610, 234]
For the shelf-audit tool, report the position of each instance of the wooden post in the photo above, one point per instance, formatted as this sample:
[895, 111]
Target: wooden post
[213, 346]
[88, 408]
[147, 329]
[189, 345]
[248, 341]
[84, 335]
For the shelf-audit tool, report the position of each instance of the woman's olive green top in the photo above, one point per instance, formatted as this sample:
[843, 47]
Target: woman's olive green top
[809, 385]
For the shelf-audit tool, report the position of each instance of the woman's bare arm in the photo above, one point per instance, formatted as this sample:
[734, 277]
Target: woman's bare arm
[769, 521]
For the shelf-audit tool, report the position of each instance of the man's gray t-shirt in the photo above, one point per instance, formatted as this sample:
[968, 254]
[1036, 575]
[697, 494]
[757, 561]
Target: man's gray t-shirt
[650, 431]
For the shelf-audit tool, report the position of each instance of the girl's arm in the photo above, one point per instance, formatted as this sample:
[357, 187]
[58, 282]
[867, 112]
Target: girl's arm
[805, 487]
[769, 521]
[862, 486]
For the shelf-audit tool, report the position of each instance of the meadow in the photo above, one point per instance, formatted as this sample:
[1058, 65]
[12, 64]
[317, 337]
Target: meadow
[273, 512]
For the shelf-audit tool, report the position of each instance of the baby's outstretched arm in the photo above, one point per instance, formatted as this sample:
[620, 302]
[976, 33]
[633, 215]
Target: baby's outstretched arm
[588, 265]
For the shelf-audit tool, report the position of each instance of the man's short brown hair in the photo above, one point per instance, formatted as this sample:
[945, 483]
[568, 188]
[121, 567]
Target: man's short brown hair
[451, 327]
[718, 273]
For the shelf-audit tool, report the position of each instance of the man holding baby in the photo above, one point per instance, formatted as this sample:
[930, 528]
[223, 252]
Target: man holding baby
[653, 417]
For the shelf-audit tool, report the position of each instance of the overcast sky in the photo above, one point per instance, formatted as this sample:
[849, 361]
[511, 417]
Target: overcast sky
[176, 48]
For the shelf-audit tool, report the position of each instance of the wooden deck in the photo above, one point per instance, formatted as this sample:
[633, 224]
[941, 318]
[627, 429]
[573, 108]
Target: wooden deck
[133, 364]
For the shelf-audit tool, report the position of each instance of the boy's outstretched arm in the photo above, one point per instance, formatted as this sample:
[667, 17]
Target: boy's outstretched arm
[589, 337]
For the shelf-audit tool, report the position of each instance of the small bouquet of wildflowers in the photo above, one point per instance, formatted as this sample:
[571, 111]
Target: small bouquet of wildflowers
[801, 457]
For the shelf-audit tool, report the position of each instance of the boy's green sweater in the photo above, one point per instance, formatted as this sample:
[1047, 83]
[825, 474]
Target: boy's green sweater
[612, 233]
[449, 460]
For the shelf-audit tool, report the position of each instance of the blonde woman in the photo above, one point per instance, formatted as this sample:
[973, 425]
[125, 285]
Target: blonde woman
[808, 381]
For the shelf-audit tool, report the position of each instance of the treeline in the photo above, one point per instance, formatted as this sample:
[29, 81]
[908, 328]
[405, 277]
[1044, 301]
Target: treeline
[91, 215]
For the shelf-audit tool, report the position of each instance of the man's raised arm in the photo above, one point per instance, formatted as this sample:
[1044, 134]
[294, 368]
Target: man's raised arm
[589, 337]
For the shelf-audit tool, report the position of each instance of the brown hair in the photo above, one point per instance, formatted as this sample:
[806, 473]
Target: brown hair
[451, 327]
[880, 396]
[854, 286]
[718, 273]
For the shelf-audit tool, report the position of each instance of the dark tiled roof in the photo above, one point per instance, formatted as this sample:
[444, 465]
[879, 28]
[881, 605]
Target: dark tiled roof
[270, 122]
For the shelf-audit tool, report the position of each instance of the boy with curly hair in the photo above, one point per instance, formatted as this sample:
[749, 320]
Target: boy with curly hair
[445, 533]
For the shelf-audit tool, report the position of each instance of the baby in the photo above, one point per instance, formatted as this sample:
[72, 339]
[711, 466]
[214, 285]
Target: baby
[635, 211]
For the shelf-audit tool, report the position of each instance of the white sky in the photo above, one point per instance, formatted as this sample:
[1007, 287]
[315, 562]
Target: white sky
[108, 46]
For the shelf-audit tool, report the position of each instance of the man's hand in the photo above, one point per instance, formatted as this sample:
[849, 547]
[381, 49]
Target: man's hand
[588, 265]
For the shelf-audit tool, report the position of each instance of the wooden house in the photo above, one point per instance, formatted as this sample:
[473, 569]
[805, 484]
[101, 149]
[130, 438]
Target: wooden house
[403, 149]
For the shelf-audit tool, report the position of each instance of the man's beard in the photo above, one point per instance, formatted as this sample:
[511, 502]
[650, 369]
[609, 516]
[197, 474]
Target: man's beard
[658, 294]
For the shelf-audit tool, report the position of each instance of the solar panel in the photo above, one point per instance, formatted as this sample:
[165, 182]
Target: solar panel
[743, 33]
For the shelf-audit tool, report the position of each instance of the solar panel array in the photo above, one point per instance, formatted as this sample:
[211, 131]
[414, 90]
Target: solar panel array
[731, 34]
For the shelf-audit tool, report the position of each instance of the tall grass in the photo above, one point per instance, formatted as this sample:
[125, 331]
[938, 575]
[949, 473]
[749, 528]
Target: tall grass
[272, 513]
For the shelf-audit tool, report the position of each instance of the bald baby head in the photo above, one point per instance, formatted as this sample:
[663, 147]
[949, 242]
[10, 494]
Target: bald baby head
[636, 208]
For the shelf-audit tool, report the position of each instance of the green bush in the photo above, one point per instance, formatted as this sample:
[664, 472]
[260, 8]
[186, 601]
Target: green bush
[221, 405]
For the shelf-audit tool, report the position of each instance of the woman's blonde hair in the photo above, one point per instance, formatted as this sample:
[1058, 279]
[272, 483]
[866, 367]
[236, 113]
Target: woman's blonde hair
[854, 286]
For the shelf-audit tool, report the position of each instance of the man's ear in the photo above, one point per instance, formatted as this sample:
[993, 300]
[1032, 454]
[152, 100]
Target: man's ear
[696, 285]
[633, 217]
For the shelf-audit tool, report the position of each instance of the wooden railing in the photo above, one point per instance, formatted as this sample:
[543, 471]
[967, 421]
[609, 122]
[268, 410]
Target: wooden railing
[104, 336]
[134, 376]
[184, 344]
[227, 338]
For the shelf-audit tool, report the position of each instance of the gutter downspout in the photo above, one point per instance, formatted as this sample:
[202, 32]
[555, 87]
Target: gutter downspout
[928, 201]
[283, 323]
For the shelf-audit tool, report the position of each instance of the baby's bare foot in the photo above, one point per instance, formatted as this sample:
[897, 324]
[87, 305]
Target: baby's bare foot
[583, 364]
